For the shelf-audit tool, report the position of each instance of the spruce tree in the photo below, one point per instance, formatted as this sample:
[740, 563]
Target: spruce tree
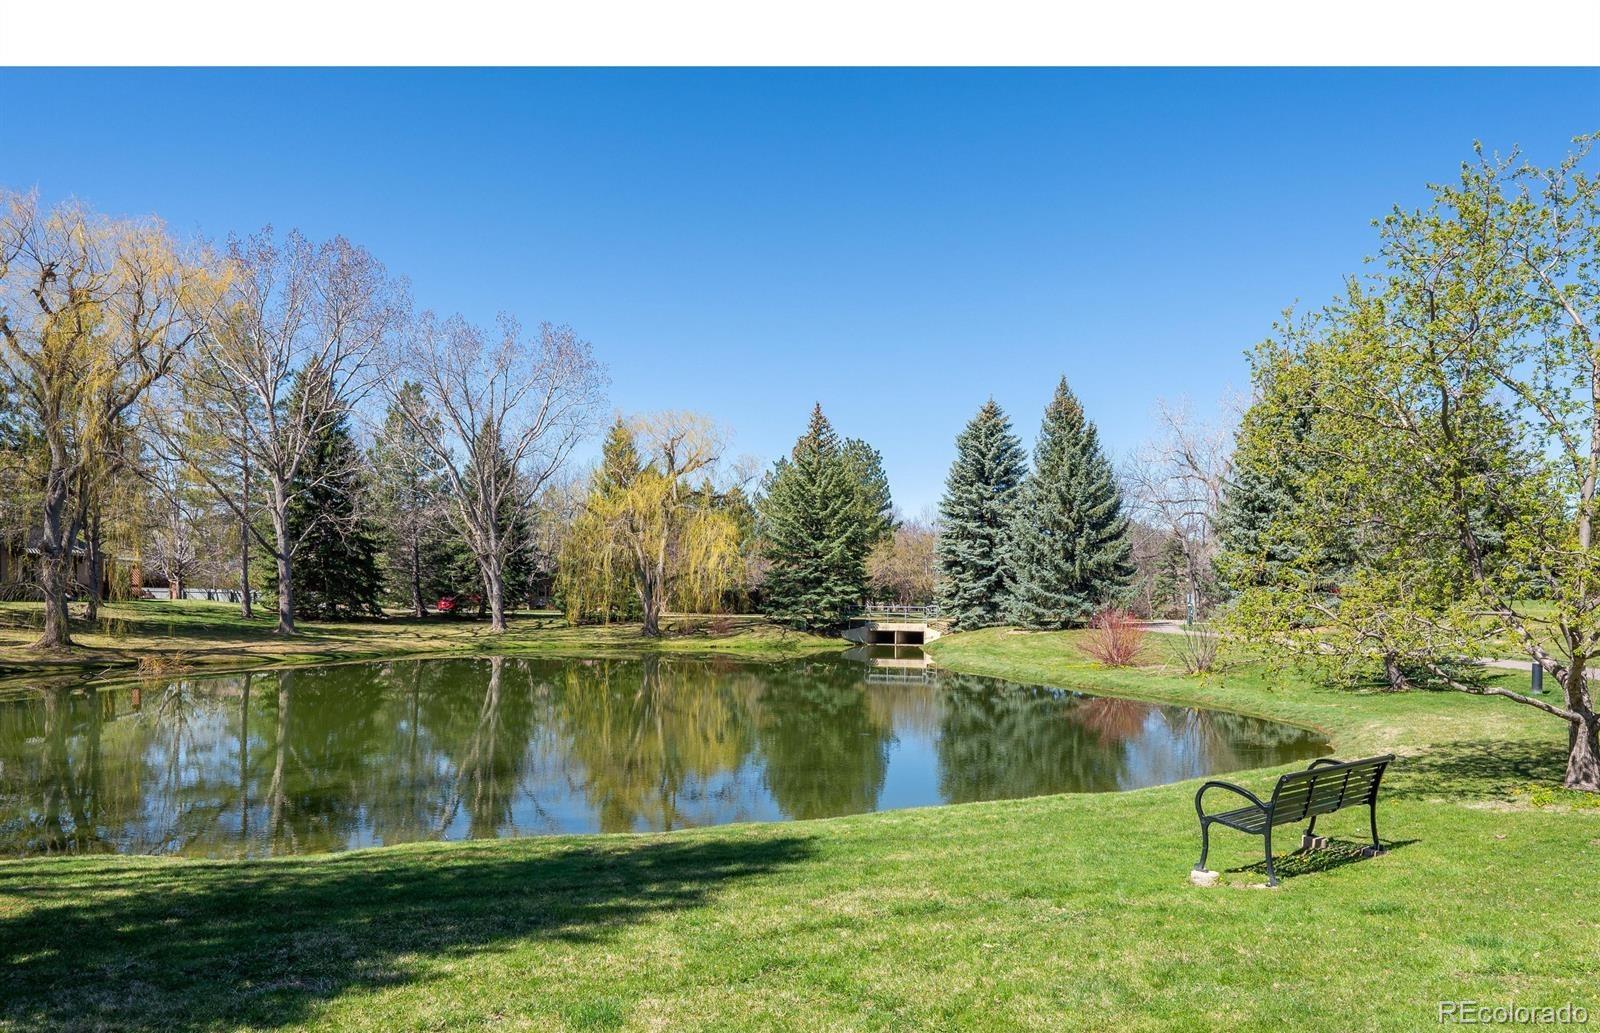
[1259, 535]
[975, 513]
[874, 506]
[619, 459]
[811, 512]
[1070, 552]
[409, 494]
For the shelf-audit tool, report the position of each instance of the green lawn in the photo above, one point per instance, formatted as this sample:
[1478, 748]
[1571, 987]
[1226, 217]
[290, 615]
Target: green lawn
[1066, 912]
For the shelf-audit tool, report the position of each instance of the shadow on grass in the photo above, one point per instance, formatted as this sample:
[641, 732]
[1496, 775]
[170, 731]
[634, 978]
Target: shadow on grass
[1337, 854]
[1477, 768]
[200, 946]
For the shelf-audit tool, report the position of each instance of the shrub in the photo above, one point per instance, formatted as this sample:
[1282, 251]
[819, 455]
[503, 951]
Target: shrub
[1115, 638]
[160, 665]
[1197, 650]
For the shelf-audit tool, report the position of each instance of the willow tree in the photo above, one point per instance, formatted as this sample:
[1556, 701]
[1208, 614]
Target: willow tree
[660, 519]
[1450, 407]
[93, 311]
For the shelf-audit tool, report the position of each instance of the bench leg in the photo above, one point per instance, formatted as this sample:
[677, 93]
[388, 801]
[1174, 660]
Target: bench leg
[1272, 875]
[1205, 845]
[1377, 847]
[1309, 840]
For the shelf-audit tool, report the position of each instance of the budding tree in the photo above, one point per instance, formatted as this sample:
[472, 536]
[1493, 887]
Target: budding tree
[500, 414]
[93, 311]
[1448, 409]
[665, 519]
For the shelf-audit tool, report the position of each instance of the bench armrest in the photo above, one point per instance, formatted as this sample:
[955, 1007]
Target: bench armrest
[1230, 787]
[1329, 762]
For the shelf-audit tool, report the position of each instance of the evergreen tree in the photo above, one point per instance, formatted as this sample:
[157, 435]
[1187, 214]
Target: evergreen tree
[874, 506]
[1251, 550]
[1070, 552]
[336, 565]
[619, 459]
[816, 542]
[1169, 591]
[1259, 537]
[409, 496]
[975, 516]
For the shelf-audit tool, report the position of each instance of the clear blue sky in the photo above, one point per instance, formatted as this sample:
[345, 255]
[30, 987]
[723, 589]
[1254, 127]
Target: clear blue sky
[899, 245]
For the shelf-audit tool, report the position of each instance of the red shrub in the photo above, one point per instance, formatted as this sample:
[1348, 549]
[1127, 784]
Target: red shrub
[1115, 638]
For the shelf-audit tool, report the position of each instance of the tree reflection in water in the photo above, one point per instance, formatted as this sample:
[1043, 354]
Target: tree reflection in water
[359, 754]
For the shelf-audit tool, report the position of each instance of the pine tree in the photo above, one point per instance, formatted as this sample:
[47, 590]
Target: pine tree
[619, 459]
[336, 565]
[874, 506]
[1070, 552]
[1252, 545]
[1169, 589]
[816, 542]
[979, 496]
[1258, 535]
[409, 493]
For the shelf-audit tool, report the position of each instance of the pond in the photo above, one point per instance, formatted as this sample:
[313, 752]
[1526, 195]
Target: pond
[355, 755]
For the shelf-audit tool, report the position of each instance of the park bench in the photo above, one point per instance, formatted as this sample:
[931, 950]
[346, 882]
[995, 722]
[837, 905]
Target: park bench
[1324, 787]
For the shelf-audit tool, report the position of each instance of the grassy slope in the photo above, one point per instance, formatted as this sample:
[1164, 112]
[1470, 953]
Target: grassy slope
[198, 634]
[1059, 912]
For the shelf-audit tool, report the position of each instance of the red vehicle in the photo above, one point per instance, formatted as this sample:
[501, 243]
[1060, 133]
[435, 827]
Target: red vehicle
[454, 605]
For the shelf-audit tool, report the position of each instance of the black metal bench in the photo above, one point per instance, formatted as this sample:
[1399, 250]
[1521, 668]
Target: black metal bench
[1324, 787]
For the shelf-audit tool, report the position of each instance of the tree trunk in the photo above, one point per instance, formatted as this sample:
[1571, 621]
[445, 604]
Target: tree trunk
[416, 579]
[285, 596]
[1583, 751]
[495, 591]
[280, 533]
[246, 608]
[94, 548]
[1583, 755]
[1392, 673]
[650, 602]
[54, 556]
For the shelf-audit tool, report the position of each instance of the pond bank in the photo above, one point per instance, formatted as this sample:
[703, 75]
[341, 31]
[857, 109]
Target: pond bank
[1070, 911]
[172, 637]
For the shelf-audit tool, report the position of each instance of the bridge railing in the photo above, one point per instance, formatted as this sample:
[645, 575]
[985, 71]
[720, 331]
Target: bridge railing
[897, 610]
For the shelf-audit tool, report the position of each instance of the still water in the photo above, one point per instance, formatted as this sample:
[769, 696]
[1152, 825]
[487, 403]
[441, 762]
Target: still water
[362, 754]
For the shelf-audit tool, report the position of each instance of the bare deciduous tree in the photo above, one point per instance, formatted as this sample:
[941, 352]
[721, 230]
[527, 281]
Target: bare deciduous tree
[903, 568]
[500, 414]
[293, 349]
[1175, 484]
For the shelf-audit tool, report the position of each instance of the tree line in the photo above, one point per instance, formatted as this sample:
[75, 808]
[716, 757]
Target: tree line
[1044, 547]
[1415, 478]
[270, 413]
[1411, 484]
